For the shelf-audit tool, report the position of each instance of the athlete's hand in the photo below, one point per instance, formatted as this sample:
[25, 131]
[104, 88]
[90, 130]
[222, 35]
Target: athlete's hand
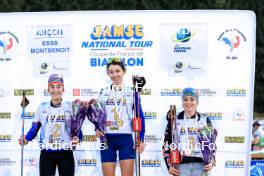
[208, 167]
[140, 146]
[173, 171]
[99, 133]
[20, 140]
[75, 140]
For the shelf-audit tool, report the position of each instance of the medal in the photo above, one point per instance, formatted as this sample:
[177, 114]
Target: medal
[189, 139]
[117, 110]
[187, 152]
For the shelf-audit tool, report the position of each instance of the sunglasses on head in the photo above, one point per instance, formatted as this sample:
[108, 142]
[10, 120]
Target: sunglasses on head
[116, 59]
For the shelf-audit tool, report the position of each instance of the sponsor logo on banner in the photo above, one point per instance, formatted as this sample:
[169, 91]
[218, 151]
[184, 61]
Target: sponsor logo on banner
[206, 92]
[30, 161]
[87, 162]
[234, 139]
[29, 115]
[150, 163]
[171, 92]
[89, 138]
[8, 44]
[121, 41]
[145, 92]
[239, 116]
[2, 93]
[182, 36]
[236, 92]
[5, 115]
[48, 67]
[151, 139]
[178, 92]
[232, 39]
[179, 66]
[84, 92]
[19, 92]
[184, 48]
[150, 115]
[214, 115]
[234, 164]
[50, 40]
[6, 162]
[5, 138]
[46, 93]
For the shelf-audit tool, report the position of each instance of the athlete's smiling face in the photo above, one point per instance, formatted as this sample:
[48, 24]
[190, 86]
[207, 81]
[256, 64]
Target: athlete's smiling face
[116, 74]
[56, 90]
[189, 104]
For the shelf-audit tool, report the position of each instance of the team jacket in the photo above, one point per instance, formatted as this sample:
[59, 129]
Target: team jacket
[54, 124]
[190, 126]
[119, 108]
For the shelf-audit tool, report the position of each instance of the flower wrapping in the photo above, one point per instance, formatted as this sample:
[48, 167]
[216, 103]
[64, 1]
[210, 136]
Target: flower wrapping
[97, 115]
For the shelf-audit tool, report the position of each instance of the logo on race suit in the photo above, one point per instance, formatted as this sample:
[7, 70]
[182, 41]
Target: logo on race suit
[232, 40]
[8, 44]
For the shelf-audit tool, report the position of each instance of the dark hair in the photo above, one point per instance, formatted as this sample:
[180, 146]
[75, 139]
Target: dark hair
[115, 61]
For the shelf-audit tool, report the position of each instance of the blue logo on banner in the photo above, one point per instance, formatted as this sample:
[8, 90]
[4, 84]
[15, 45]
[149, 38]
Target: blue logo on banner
[257, 168]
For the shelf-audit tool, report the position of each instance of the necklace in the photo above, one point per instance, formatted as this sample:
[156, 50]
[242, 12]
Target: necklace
[117, 110]
[189, 141]
[54, 127]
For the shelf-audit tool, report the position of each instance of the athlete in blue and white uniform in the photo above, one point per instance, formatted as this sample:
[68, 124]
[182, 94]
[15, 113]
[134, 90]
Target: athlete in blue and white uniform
[118, 102]
[188, 124]
[54, 121]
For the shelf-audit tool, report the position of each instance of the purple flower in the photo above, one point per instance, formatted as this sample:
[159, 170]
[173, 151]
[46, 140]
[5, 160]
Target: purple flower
[207, 137]
[77, 117]
[97, 115]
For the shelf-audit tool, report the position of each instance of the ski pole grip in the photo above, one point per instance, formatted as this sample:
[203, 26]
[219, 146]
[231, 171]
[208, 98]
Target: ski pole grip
[137, 124]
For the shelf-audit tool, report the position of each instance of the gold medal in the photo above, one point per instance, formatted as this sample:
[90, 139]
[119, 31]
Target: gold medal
[119, 122]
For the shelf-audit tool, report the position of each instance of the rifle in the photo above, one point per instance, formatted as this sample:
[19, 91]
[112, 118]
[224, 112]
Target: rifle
[175, 158]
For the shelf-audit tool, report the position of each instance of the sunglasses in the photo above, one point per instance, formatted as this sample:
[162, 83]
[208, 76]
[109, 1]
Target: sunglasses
[115, 59]
[189, 92]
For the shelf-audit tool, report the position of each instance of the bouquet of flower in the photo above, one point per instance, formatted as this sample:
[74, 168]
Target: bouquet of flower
[97, 115]
[207, 137]
[78, 115]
